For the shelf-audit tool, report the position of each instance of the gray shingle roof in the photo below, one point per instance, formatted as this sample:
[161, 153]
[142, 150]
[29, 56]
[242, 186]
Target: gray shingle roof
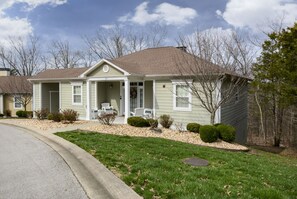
[15, 85]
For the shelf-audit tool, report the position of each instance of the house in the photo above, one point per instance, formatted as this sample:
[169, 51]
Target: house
[15, 92]
[148, 78]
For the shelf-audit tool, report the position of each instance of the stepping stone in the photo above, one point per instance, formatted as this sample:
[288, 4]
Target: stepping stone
[197, 162]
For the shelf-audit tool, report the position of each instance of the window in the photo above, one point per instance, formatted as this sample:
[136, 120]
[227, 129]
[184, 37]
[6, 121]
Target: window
[18, 102]
[77, 94]
[182, 97]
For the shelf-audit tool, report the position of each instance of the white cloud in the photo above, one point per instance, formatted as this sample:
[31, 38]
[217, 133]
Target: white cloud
[256, 14]
[107, 26]
[19, 27]
[166, 13]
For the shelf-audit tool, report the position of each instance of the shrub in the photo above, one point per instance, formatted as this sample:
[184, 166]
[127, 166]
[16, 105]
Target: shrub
[7, 113]
[208, 133]
[21, 113]
[138, 122]
[217, 124]
[226, 132]
[153, 123]
[107, 118]
[193, 127]
[70, 115]
[50, 116]
[166, 121]
[1, 115]
[41, 114]
[57, 117]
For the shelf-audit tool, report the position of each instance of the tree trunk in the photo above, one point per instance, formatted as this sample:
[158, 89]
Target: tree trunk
[212, 118]
[262, 130]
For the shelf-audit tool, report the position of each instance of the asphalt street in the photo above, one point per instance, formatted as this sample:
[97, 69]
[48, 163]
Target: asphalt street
[31, 169]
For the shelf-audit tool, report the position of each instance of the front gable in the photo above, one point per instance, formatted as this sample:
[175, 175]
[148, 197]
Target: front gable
[105, 69]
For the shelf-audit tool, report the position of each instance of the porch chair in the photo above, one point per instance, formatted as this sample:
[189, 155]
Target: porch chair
[106, 108]
[142, 112]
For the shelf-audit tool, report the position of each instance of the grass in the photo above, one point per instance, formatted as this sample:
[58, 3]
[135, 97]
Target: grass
[153, 167]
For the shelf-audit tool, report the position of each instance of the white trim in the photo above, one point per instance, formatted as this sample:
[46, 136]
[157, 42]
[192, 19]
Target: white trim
[40, 95]
[88, 111]
[143, 100]
[121, 98]
[180, 81]
[107, 79]
[14, 101]
[1, 104]
[60, 97]
[99, 64]
[218, 98]
[96, 97]
[154, 98]
[81, 94]
[127, 100]
[175, 108]
[34, 98]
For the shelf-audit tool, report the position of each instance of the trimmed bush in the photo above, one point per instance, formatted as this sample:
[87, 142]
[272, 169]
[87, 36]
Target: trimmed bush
[226, 132]
[138, 122]
[217, 124]
[193, 127]
[21, 113]
[153, 123]
[57, 117]
[41, 114]
[1, 115]
[50, 116]
[70, 115]
[29, 114]
[208, 133]
[166, 121]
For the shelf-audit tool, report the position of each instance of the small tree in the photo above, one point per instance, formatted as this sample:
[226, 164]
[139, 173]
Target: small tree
[215, 67]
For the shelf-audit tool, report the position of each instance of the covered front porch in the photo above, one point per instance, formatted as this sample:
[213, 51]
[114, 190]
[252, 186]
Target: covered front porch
[122, 94]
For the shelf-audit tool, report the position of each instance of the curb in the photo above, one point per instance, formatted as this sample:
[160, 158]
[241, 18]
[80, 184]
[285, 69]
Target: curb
[96, 180]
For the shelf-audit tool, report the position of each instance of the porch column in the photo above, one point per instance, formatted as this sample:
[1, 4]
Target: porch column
[154, 98]
[1, 104]
[88, 111]
[218, 98]
[127, 100]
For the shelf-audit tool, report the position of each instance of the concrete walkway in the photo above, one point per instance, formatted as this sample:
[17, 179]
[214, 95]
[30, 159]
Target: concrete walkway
[96, 180]
[31, 169]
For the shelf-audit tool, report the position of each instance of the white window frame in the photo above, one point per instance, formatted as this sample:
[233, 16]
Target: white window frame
[181, 83]
[80, 84]
[14, 102]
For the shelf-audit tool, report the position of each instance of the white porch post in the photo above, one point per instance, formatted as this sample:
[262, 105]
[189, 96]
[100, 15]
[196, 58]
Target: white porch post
[96, 97]
[154, 98]
[218, 98]
[88, 111]
[1, 104]
[127, 100]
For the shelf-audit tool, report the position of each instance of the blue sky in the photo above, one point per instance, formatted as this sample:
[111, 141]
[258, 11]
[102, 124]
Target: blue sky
[72, 19]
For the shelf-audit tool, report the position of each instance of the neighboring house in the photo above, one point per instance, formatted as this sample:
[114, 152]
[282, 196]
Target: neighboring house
[13, 90]
[148, 78]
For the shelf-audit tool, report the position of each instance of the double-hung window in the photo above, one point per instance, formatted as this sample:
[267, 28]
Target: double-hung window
[77, 93]
[182, 97]
[18, 102]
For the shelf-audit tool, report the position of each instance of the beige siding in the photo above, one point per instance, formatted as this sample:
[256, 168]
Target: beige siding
[111, 73]
[148, 94]
[235, 113]
[9, 105]
[66, 99]
[101, 91]
[164, 105]
[113, 94]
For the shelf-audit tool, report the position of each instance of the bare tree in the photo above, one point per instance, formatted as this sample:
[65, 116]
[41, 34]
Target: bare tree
[214, 68]
[22, 56]
[60, 55]
[117, 41]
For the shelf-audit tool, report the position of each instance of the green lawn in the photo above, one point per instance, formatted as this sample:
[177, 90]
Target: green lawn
[153, 167]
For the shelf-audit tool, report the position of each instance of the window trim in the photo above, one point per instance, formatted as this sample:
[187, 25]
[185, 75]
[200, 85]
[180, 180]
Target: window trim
[80, 84]
[14, 102]
[181, 83]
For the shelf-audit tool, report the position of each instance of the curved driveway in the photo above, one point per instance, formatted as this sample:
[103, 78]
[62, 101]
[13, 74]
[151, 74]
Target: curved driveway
[31, 169]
